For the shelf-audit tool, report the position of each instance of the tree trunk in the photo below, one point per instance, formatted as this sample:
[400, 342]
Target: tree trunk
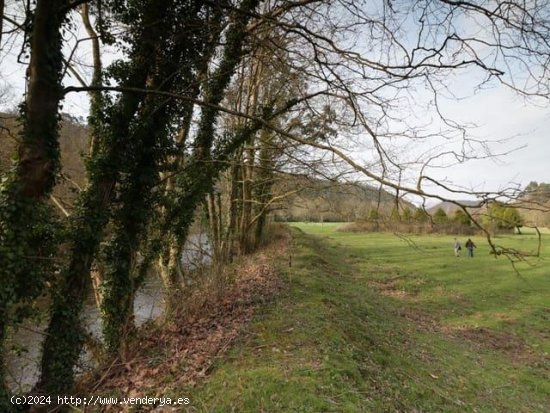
[1, 21]
[39, 148]
[64, 339]
[246, 217]
[131, 217]
[214, 226]
[264, 183]
[63, 342]
[23, 195]
[172, 279]
[95, 96]
[234, 204]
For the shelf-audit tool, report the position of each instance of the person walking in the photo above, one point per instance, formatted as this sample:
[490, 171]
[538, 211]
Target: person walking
[457, 248]
[470, 247]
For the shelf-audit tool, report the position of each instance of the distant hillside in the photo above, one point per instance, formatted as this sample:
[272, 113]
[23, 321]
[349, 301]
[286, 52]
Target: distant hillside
[535, 204]
[73, 142]
[451, 208]
[539, 217]
[323, 201]
[316, 200]
[534, 207]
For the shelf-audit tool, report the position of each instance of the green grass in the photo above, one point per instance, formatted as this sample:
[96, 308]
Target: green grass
[371, 324]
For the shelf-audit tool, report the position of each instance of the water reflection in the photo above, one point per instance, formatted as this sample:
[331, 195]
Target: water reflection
[25, 343]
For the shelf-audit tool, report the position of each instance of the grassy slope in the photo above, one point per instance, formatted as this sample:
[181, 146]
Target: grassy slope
[371, 324]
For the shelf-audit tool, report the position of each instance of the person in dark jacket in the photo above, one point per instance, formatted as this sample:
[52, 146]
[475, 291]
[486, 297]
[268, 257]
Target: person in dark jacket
[470, 247]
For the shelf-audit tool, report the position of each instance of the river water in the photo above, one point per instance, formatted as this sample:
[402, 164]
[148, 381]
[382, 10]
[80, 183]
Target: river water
[24, 345]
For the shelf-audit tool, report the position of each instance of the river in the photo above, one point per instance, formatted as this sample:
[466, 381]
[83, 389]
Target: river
[24, 345]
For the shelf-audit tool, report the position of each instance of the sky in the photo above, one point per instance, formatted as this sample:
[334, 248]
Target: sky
[523, 128]
[499, 114]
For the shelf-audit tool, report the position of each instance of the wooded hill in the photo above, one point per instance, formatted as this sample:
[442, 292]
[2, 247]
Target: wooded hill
[302, 198]
[73, 142]
[533, 205]
[319, 200]
[451, 208]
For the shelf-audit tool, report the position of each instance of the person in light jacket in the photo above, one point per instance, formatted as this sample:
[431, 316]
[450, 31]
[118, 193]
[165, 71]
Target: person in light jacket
[457, 248]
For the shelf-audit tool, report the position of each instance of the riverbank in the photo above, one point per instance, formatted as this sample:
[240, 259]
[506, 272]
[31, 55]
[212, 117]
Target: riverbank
[366, 322]
[25, 343]
[181, 351]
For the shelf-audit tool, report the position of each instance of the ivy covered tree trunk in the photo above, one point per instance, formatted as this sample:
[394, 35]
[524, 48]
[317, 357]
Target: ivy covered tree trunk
[178, 64]
[110, 126]
[27, 240]
[130, 222]
[200, 169]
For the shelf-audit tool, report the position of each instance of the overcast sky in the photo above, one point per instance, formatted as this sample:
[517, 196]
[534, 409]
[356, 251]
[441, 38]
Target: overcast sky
[524, 126]
[499, 113]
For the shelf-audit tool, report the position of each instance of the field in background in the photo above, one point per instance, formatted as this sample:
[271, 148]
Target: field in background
[373, 322]
[462, 293]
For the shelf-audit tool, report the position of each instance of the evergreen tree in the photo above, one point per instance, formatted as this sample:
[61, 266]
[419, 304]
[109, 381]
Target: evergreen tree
[440, 217]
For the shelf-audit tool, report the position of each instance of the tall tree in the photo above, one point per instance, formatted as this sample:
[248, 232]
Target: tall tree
[26, 224]
[111, 126]
[201, 167]
[1, 20]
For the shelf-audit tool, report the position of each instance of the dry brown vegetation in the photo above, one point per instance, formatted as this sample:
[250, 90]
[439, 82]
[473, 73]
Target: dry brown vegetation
[409, 227]
[183, 349]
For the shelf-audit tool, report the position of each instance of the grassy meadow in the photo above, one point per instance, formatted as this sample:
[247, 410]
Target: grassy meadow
[376, 323]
